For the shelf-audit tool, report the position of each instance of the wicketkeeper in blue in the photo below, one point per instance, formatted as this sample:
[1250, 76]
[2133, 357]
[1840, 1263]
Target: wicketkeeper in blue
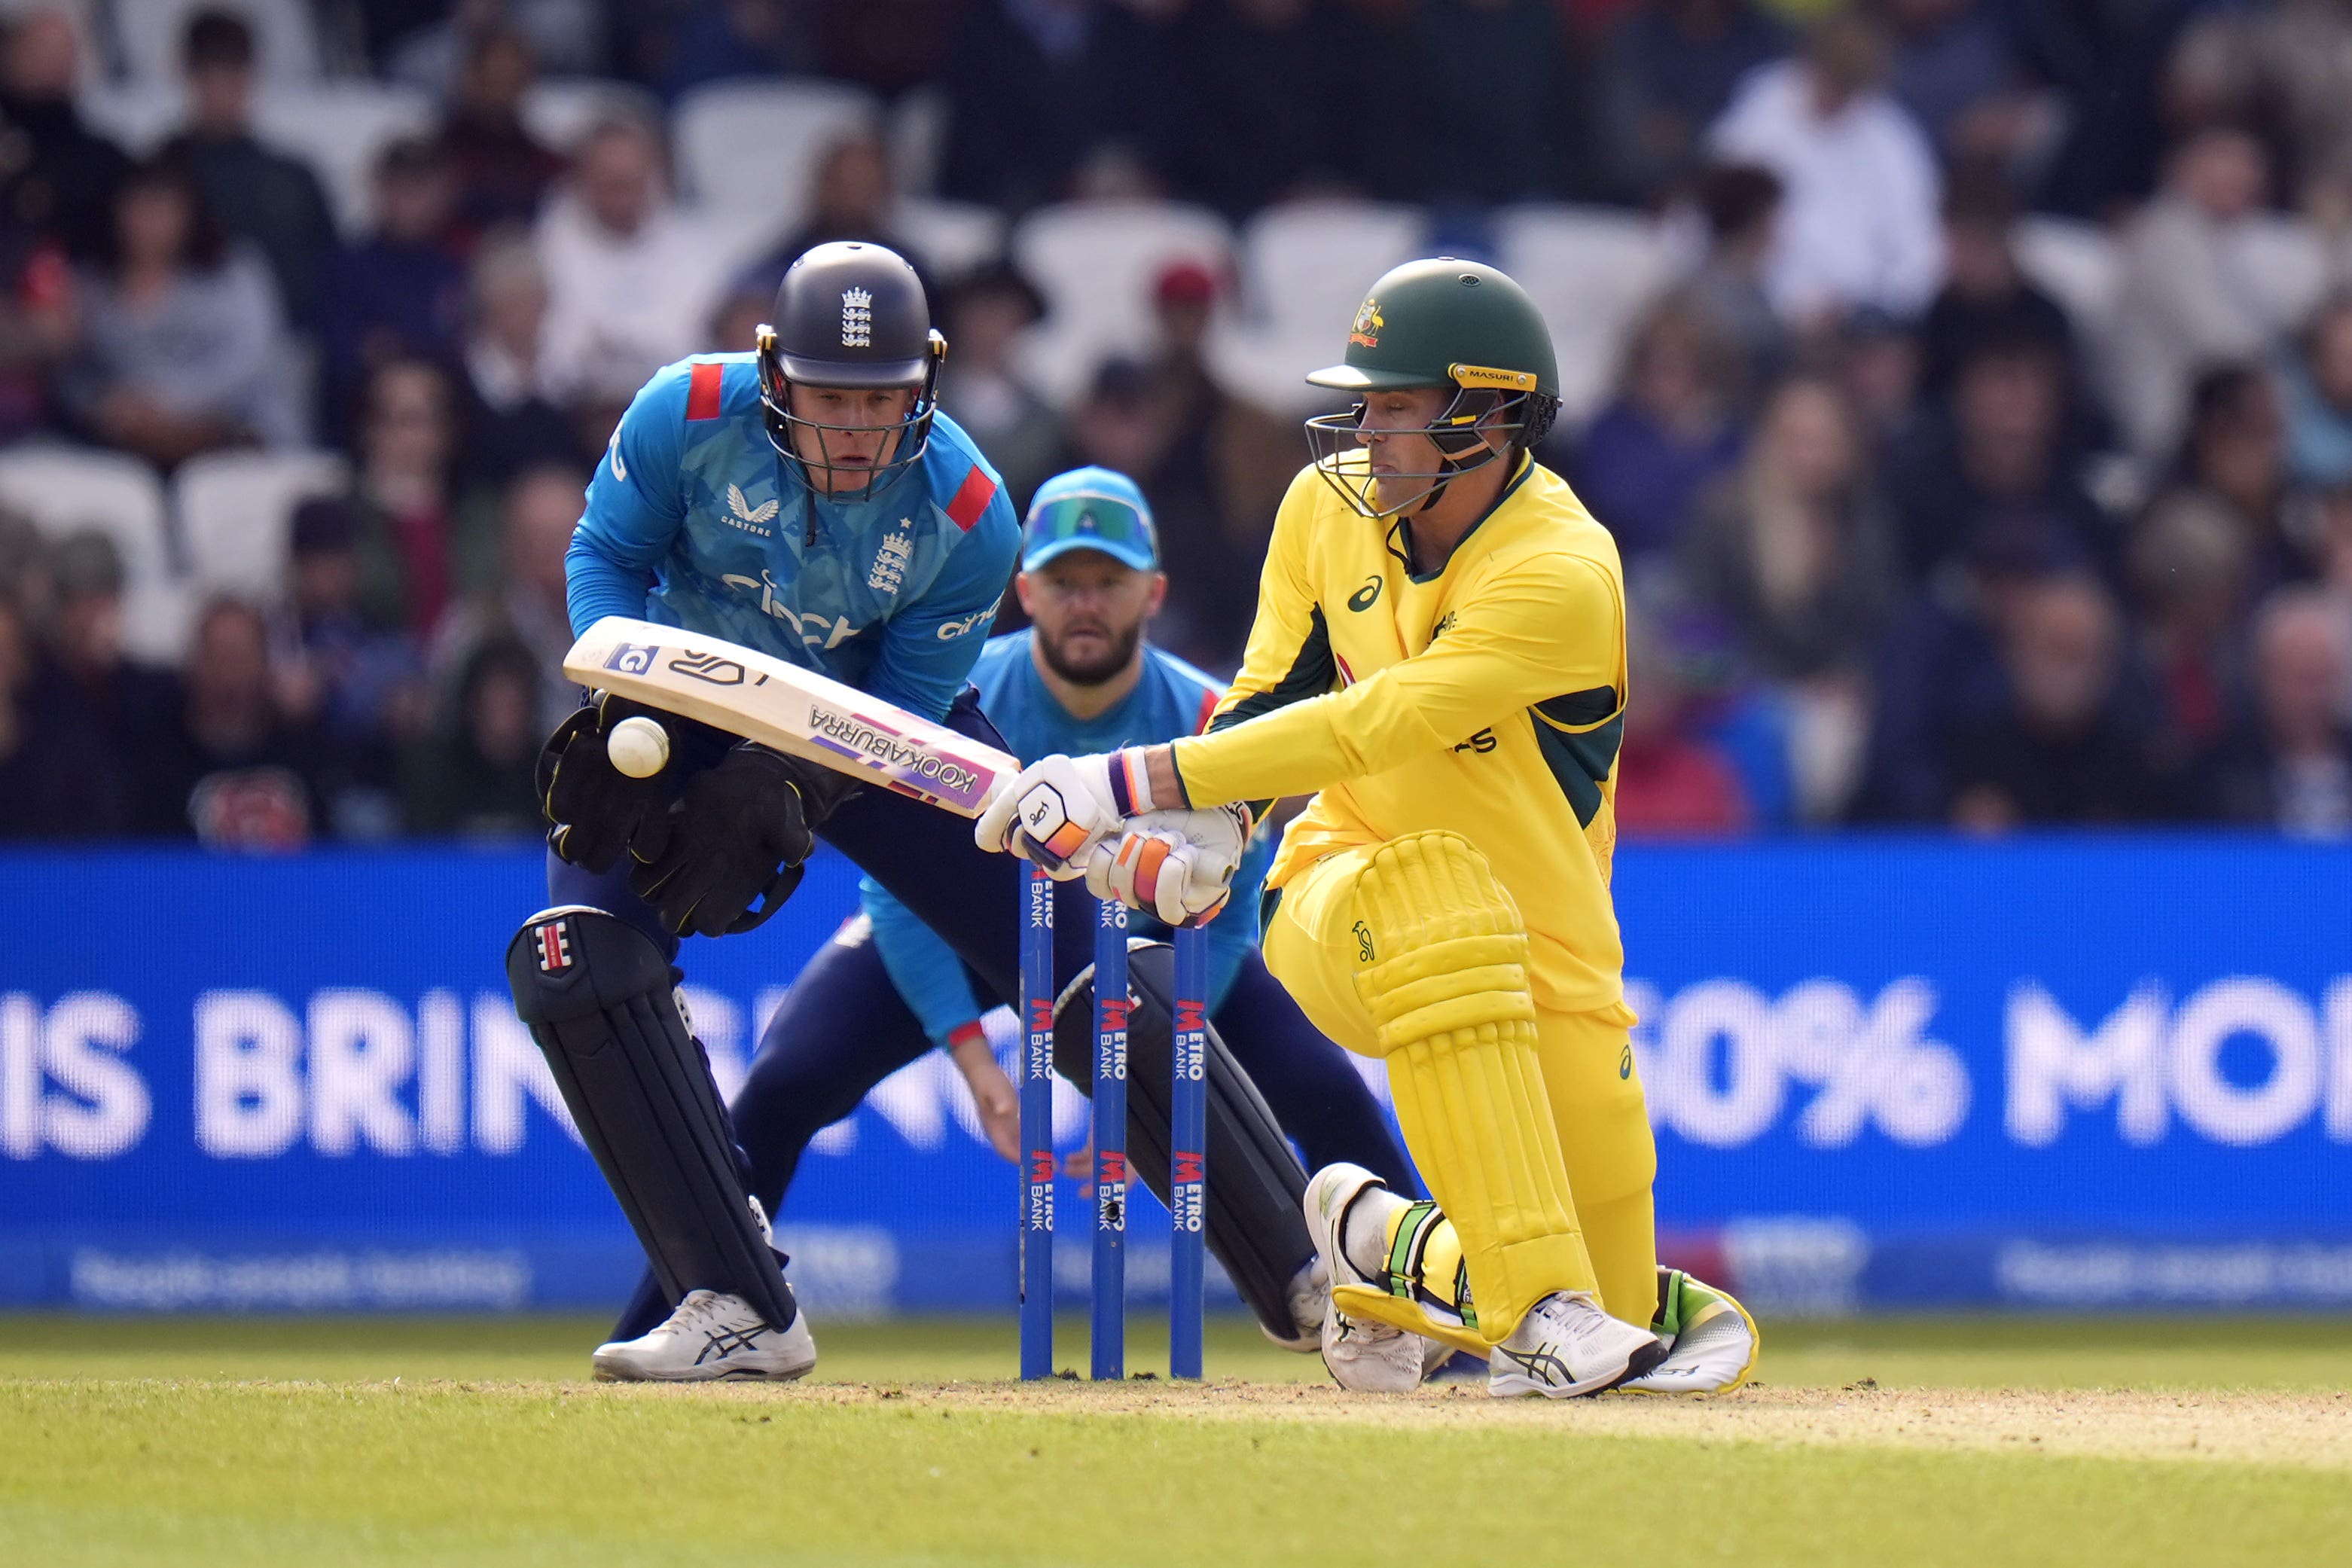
[809, 500]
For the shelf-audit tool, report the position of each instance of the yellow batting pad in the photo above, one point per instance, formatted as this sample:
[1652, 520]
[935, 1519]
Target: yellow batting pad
[1441, 968]
[1448, 985]
[1379, 1306]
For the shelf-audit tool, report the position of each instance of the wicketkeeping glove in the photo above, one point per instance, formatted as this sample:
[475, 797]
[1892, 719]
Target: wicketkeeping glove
[594, 811]
[735, 837]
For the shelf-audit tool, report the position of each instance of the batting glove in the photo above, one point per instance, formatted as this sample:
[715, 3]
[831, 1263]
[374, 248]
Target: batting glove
[1176, 865]
[1060, 808]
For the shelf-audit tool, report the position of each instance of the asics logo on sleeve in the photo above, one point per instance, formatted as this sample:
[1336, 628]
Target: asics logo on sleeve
[620, 469]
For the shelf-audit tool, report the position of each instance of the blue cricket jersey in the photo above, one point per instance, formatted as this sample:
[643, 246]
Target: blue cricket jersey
[1171, 699]
[692, 521]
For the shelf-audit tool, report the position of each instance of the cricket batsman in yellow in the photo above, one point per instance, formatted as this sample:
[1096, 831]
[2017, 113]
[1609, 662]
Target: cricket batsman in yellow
[1439, 660]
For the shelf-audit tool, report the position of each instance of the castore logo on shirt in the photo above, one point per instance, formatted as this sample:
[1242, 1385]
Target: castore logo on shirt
[749, 518]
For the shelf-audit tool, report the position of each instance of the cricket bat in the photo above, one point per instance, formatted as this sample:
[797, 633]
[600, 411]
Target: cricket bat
[795, 710]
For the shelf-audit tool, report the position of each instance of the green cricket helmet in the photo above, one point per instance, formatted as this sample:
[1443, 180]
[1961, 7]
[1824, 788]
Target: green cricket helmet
[1450, 324]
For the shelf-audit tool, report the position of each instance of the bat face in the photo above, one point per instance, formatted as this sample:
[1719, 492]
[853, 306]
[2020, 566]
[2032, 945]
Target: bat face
[795, 710]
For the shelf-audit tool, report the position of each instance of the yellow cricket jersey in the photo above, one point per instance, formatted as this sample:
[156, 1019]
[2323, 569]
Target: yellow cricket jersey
[1487, 697]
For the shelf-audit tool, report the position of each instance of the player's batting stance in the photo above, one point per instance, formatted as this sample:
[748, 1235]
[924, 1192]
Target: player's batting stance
[1439, 655]
[806, 500]
[1082, 677]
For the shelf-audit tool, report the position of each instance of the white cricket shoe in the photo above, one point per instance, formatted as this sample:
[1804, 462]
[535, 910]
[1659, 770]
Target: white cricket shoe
[710, 1336]
[1568, 1346]
[1364, 1355]
[1309, 1294]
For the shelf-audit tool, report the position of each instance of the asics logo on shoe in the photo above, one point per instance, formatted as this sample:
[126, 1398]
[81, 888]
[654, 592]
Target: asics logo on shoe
[727, 1341]
[1540, 1364]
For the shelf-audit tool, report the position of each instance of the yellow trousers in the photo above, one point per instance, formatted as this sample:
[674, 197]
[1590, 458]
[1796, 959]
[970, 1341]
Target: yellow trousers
[1317, 944]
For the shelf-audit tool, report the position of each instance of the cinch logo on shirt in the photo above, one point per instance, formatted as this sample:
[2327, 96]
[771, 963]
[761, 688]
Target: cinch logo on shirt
[815, 630]
[954, 629]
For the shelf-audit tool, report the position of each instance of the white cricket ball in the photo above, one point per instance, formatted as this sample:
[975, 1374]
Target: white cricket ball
[639, 747]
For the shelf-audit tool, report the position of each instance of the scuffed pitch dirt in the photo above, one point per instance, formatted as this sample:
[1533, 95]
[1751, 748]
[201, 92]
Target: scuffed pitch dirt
[2304, 1430]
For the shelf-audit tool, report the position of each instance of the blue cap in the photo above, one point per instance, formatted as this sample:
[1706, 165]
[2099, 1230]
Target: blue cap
[1090, 509]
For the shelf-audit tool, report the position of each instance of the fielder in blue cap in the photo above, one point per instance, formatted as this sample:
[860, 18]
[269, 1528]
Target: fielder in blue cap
[1080, 679]
[1090, 509]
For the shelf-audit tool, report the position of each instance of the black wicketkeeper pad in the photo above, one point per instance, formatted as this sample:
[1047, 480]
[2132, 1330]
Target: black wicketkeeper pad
[1257, 1185]
[596, 994]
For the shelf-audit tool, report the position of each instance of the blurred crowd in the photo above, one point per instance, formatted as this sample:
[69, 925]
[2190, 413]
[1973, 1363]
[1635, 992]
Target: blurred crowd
[1914, 534]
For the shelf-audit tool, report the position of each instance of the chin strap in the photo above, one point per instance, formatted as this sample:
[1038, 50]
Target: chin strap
[1468, 439]
[1429, 498]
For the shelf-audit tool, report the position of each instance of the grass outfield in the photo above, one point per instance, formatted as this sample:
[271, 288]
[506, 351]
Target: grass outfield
[258, 1442]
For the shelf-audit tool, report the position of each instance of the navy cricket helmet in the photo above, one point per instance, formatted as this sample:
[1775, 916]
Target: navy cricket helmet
[850, 314]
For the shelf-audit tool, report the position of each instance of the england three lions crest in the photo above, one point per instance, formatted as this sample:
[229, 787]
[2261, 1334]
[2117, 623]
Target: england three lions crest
[856, 318]
[890, 562]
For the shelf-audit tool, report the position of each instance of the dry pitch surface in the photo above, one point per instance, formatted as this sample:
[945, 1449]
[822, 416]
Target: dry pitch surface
[1928, 1441]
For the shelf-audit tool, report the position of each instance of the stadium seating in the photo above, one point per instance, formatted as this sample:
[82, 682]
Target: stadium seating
[66, 489]
[1591, 271]
[1305, 265]
[138, 116]
[147, 35]
[340, 132]
[561, 111]
[1304, 268]
[1270, 373]
[69, 490]
[746, 151]
[235, 509]
[954, 237]
[917, 130]
[1096, 263]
